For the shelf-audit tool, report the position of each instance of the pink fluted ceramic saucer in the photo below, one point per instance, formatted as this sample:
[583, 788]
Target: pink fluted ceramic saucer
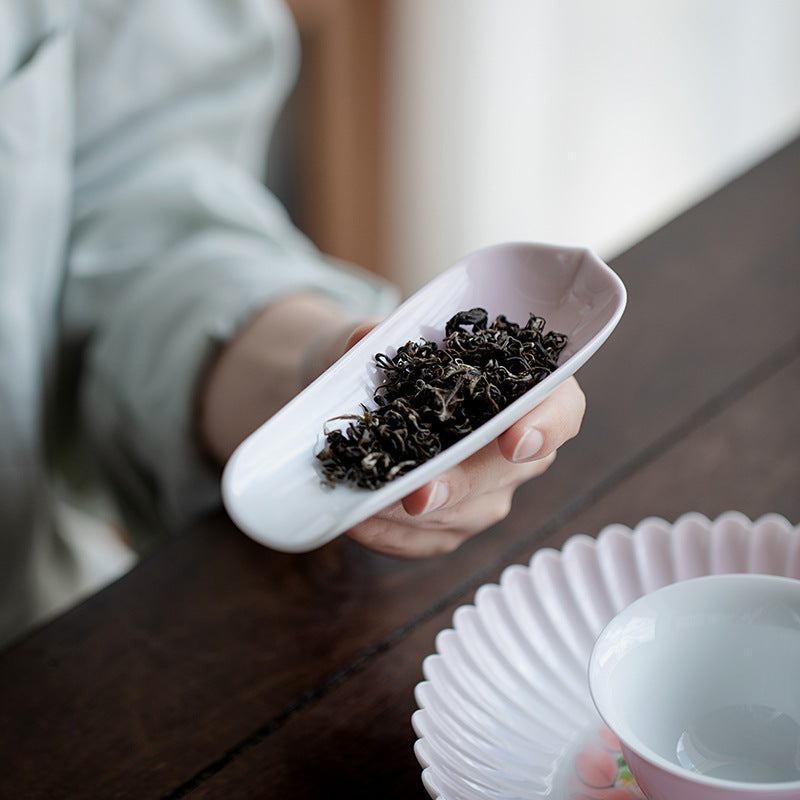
[504, 712]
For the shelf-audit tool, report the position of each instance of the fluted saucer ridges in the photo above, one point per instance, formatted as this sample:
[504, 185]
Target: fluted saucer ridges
[505, 701]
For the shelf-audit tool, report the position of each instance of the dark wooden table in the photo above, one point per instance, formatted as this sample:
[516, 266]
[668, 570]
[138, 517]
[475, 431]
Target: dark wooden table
[220, 669]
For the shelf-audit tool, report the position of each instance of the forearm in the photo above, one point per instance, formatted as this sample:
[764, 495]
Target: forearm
[277, 354]
[176, 244]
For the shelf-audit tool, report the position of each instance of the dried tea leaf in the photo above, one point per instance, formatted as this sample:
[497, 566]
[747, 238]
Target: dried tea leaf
[433, 396]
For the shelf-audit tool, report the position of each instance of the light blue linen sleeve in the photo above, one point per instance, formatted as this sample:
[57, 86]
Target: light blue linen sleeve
[175, 241]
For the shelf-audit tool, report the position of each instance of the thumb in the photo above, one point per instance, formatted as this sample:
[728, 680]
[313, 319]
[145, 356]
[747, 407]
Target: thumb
[331, 346]
[360, 331]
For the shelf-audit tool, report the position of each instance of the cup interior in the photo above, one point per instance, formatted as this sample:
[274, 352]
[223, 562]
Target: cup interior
[703, 676]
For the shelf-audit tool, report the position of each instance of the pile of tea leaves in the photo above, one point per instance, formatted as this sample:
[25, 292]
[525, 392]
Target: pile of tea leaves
[433, 396]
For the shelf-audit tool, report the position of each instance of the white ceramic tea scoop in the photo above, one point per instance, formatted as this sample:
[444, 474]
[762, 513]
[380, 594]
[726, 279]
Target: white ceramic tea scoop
[272, 487]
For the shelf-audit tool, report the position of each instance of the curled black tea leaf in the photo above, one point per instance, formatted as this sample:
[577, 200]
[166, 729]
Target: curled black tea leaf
[433, 396]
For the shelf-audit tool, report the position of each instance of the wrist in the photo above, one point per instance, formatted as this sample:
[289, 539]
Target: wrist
[276, 354]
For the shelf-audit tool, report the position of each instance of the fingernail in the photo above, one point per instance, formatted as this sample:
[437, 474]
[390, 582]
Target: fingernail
[439, 496]
[529, 446]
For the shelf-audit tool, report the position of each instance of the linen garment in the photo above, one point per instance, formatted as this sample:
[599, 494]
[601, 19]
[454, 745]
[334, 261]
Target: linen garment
[135, 235]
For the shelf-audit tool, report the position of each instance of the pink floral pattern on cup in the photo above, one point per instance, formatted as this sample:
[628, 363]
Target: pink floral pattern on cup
[600, 772]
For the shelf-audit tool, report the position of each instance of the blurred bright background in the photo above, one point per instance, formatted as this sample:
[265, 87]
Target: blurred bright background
[573, 122]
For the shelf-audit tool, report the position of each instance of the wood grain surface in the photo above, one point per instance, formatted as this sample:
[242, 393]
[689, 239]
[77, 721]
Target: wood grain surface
[218, 668]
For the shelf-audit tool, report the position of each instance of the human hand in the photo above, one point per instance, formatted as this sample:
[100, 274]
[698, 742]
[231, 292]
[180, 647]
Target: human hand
[289, 344]
[467, 499]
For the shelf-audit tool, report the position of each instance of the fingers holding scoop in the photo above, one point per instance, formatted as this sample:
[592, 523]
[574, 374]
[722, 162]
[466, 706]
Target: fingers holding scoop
[522, 452]
[477, 493]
